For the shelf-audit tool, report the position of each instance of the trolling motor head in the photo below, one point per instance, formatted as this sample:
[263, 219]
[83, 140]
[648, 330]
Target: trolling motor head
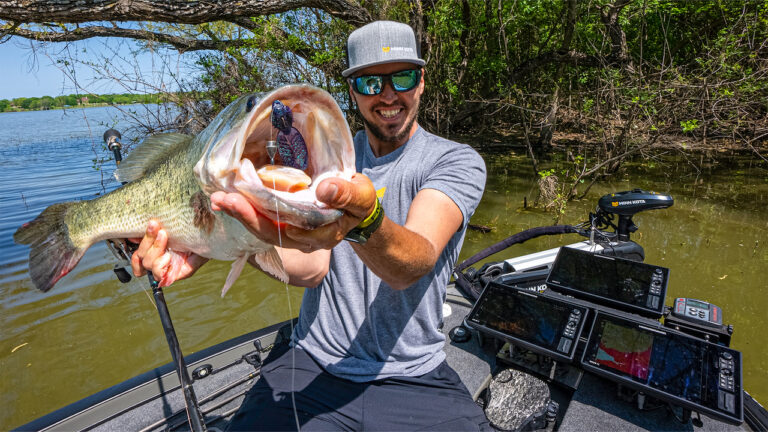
[626, 204]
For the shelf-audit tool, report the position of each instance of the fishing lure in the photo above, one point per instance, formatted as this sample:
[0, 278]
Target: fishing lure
[291, 145]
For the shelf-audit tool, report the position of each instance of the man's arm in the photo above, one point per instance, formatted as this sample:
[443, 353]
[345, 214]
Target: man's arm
[399, 255]
[304, 269]
[304, 265]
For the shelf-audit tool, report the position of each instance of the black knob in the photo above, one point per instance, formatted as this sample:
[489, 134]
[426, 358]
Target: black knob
[726, 355]
[122, 274]
[470, 273]
[459, 334]
[203, 371]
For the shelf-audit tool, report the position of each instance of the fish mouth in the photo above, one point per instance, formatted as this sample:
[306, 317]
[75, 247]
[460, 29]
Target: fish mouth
[243, 154]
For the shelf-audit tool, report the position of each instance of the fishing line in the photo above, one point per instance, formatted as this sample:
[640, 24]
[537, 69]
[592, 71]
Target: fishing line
[149, 296]
[290, 309]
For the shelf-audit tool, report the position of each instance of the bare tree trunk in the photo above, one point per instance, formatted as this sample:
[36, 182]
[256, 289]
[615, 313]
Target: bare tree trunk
[531, 154]
[549, 123]
[610, 18]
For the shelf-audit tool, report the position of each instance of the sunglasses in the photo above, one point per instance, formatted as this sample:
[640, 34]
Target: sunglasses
[402, 81]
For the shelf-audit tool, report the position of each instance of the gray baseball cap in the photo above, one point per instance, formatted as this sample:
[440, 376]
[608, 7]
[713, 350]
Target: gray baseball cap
[381, 42]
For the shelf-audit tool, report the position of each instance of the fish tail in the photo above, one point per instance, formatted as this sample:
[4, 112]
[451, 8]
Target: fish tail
[52, 253]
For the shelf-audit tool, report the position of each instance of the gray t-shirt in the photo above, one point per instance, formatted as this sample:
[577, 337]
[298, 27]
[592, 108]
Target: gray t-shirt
[356, 326]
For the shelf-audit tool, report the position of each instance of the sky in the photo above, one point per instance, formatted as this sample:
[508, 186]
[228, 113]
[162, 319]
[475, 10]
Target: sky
[25, 72]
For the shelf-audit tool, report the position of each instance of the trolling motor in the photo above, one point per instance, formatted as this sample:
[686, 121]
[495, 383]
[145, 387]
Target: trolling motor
[600, 229]
[626, 204]
[123, 251]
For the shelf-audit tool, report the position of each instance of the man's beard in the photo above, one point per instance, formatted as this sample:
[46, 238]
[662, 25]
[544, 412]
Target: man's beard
[390, 138]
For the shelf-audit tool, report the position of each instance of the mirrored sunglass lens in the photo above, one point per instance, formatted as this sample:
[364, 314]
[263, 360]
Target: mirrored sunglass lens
[404, 80]
[368, 85]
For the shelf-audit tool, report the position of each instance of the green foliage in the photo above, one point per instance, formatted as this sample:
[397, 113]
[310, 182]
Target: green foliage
[521, 66]
[546, 173]
[302, 45]
[492, 65]
[74, 100]
[689, 125]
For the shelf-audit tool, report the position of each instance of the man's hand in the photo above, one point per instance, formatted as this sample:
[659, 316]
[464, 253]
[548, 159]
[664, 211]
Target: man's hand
[166, 266]
[356, 198]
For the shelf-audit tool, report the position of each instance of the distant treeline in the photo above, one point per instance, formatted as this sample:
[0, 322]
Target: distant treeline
[74, 100]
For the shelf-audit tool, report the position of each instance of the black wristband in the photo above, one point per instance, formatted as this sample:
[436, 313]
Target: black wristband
[360, 234]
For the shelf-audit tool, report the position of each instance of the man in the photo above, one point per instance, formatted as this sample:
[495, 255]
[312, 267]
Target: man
[367, 350]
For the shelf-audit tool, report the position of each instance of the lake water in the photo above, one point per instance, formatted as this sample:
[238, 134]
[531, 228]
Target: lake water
[90, 331]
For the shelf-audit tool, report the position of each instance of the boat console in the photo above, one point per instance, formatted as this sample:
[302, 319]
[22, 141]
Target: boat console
[611, 281]
[530, 319]
[667, 364]
[600, 314]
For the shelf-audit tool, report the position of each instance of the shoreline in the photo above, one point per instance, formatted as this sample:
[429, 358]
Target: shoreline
[564, 140]
[95, 105]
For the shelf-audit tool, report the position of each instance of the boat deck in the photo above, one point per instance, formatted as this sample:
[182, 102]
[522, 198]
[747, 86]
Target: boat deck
[153, 401]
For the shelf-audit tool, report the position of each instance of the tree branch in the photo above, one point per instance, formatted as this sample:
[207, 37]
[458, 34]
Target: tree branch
[572, 57]
[186, 12]
[609, 16]
[300, 48]
[180, 43]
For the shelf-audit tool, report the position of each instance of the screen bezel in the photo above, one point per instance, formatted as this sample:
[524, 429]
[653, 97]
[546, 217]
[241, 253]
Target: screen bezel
[528, 294]
[617, 376]
[643, 310]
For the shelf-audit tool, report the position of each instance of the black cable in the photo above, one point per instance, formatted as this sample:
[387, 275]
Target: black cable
[520, 237]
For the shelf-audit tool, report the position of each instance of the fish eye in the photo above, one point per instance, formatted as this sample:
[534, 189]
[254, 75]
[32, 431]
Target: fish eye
[250, 104]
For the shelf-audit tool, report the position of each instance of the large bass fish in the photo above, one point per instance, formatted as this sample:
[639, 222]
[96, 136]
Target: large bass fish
[172, 175]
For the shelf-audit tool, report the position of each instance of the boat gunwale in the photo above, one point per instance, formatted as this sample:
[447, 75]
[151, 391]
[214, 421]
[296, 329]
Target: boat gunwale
[91, 403]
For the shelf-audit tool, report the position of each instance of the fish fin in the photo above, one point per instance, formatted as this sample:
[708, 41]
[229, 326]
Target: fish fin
[151, 151]
[52, 254]
[271, 262]
[234, 273]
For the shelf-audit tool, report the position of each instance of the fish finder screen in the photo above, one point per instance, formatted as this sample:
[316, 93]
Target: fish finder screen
[624, 350]
[538, 321]
[614, 279]
[670, 363]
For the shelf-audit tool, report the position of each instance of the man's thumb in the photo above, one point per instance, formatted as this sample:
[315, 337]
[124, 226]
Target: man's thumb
[355, 197]
[328, 192]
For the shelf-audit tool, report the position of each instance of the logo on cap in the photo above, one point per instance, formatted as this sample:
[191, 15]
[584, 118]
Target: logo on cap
[385, 49]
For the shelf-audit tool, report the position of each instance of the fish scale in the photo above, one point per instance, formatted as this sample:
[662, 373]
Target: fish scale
[163, 195]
